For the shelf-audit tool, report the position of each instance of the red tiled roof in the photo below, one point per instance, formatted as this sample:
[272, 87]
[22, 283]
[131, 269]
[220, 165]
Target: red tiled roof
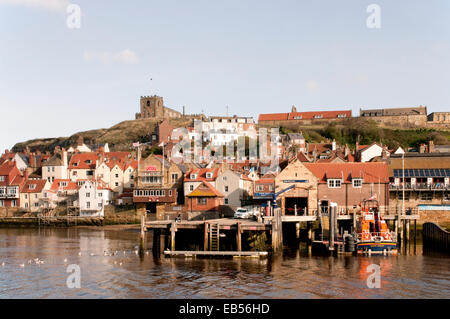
[201, 174]
[70, 185]
[265, 181]
[39, 185]
[323, 114]
[81, 161]
[304, 115]
[370, 172]
[6, 168]
[273, 117]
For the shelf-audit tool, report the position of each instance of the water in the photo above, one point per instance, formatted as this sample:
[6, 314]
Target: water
[293, 275]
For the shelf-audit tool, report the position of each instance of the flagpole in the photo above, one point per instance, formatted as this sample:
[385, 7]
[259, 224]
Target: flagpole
[403, 190]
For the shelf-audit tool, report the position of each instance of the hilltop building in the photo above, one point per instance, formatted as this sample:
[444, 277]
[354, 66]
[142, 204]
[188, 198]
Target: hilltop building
[403, 117]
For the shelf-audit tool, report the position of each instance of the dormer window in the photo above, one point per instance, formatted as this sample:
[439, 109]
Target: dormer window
[75, 164]
[193, 176]
[357, 182]
[342, 115]
[334, 183]
[299, 117]
[88, 162]
[208, 175]
[318, 116]
[32, 186]
[63, 184]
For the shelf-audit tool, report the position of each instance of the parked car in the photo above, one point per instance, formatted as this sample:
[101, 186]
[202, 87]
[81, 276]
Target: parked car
[242, 213]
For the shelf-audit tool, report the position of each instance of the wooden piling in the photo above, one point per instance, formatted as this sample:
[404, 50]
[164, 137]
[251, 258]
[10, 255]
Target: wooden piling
[205, 237]
[172, 236]
[238, 238]
[297, 231]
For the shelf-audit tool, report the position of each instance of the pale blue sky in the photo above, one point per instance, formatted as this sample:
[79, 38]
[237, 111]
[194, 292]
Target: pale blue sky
[256, 56]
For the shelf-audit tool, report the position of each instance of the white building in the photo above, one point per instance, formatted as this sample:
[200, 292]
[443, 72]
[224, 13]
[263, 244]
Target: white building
[93, 196]
[55, 168]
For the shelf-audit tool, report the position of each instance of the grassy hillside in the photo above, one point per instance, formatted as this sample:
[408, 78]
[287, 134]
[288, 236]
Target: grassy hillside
[119, 137]
[367, 131]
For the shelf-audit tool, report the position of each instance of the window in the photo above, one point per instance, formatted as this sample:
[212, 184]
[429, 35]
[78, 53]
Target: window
[132, 177]
[36, 204]
[14, 203]
[2, 178]
[117, 175]
[32, 186]
[26, 196]
[193, 176]
[191, 187]
[226, 189]
[100, 205]
[132, 185]
[53, 179]
[201, 201]
[426, 197]
[174, 177]
[447, 197]
[318, 116]
[208, 175]
[357, 182]
[224, 178]
[100, 194]
[88, 195]
[88, 204]
[116, 183]
[226, 201]
[2, 203]
[342, 115]
[259, 188]
[26, 205]
[334, 183]
[299, 117]
[48, 169]
[53, 168]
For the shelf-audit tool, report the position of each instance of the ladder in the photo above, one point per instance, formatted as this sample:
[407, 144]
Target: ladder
[214, 237]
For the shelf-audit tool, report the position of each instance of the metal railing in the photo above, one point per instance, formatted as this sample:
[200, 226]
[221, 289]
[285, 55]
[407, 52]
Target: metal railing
[420, 186]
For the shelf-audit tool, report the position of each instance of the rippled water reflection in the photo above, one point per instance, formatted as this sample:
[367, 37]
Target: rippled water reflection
[293, 275]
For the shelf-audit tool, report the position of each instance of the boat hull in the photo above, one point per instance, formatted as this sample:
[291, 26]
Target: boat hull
[376, 248]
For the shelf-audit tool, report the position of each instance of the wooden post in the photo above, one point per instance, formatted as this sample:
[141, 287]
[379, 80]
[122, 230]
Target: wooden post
[141, 242]
[297, 230]
[205, 237]
[408, 222]
[156, 242]
[415, 234]
[172, 237]
[310, 235]
[238, 237]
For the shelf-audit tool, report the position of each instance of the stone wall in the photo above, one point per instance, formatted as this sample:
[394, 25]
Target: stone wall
[435, 216]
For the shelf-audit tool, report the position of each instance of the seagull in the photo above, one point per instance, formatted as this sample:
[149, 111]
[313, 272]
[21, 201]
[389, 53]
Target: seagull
[3, 264]
[120, 264]
[115, 262]
[65, 260]
[30, 261]
[91, 254]
[136, 252]
[22, 265]
[79, 254]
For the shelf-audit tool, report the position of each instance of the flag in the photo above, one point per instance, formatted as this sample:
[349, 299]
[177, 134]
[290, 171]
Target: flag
[136, 144]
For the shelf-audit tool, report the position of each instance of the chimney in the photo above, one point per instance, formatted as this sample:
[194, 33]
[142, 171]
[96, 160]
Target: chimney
[430, 146]
[422, 148]
[64, 158]
[6, 151]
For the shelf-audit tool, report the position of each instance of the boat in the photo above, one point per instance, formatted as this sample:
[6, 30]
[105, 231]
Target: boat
[372, 235]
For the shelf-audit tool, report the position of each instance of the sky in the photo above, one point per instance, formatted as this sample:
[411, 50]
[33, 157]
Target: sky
[254, 56]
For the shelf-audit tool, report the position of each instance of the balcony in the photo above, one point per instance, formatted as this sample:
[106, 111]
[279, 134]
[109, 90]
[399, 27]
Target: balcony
[420, 187]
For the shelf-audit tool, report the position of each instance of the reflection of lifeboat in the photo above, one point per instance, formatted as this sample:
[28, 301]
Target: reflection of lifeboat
[372, 236]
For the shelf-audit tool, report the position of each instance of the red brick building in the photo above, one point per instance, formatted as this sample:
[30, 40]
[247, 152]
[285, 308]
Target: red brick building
[348, 184]
[204, 198]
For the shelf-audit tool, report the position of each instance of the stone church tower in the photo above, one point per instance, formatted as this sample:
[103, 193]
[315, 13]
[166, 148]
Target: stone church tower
[153, 107]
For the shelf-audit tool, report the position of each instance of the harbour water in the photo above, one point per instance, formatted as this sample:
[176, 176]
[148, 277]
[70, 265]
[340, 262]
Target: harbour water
[294, 274]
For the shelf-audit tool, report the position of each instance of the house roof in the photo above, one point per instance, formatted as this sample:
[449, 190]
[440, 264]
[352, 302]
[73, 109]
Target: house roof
[69, 186]
[6, 168]
[419, 162]
[201, 174]
[33, 186]
[273, 117]
[55, 160]
[323, 114]
[81, 161]
[205, 189]
[295, 136]
[370, 172]
[265, 181]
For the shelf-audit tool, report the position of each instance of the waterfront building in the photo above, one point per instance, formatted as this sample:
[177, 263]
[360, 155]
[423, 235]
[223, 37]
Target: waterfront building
[348, 184]
[32, 194]
[235, 187]
[158, 182]
[93, 196]
[11, 181]
[426, 183]
[55, 167]
[204, 198]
